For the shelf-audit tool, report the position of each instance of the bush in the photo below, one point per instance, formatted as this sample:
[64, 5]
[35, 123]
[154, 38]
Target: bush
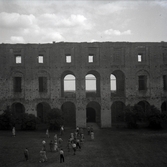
[154, 117]
[133, 114]
[27, 121]
[7, 120]
[55, 119]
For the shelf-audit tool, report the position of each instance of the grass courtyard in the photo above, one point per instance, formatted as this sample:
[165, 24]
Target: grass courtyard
[111, 148]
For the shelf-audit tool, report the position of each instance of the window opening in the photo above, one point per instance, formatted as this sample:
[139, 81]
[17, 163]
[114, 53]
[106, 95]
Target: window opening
[68, 58]
[18, 59]
[140, 58]
[69, 83]
[90, 83]
[40, 59]
[42, 84]
[112, 82]
[17, 84]
[142, 82]
[90, 58]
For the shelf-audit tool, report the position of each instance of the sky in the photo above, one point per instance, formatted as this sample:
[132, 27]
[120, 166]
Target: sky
[45, 21]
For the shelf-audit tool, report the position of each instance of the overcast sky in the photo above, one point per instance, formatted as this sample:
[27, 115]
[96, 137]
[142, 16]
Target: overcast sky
[45, 21]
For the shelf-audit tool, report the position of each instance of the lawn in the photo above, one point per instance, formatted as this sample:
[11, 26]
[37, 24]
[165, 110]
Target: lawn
[111, 148]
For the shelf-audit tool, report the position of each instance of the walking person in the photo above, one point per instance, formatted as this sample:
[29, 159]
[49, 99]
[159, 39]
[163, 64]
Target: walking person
[61, 155]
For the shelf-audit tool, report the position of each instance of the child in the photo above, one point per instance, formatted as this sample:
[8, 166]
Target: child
[47, 133]
[51, 145]
[26, 154]
[74, 147]
[61, 155]
[43, 157]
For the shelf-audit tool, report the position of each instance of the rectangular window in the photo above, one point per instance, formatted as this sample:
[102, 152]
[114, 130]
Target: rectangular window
[140, 58]
[68, 58]
[40, 59]
[164, 82]
[17, 84]
[18, 59]
[142, 82]
[42, 84]
[90, 58]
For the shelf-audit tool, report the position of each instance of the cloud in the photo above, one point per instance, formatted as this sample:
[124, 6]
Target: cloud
[17, 39]
[16, 20]
[57, 20]
[117, 32]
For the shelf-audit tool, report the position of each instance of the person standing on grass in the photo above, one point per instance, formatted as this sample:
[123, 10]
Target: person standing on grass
[69, 145]
[44, 145]
[47, 133]
[61, 155]
[92, 135]
[26, 154]
[55, 138]
[60, 140]
[82, 138]
[78, 146]
[13, 131]
[74, 147]
[61, 130]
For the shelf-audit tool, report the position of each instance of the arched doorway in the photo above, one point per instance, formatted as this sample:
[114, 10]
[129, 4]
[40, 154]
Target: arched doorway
[93, 112]
[69, 114]
[18, 108]
[90, 114]
[145, 105]
[117, 112]
[42, 109]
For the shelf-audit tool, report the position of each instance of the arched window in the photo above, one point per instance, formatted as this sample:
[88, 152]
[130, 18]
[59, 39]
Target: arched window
[90, 83]
[113, 85]
[69, 83]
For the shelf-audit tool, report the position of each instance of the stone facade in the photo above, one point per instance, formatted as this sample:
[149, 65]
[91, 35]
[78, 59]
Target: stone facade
[28, 85]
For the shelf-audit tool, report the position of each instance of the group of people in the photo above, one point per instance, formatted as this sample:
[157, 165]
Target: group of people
[75, 142]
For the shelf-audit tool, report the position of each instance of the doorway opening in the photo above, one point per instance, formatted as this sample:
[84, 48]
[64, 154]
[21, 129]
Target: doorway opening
[90, 114]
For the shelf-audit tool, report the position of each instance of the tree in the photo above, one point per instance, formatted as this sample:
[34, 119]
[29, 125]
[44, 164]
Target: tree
[154, 118]
[133, 114]
[54, 118]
